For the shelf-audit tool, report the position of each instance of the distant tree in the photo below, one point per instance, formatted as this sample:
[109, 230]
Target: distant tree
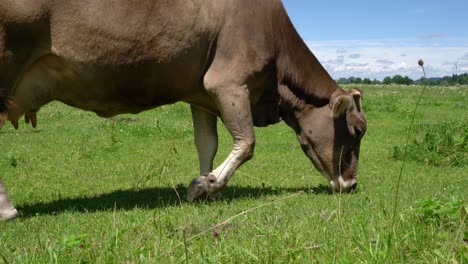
[354, 80]
[461, 79]
[387, 80]
[423, 81]
[342, 80]
[407, 80]
[455, 79]
[397, 79]
[444, 82]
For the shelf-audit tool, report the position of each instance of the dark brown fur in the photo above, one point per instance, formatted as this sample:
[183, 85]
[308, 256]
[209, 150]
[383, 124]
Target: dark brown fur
[4, 102]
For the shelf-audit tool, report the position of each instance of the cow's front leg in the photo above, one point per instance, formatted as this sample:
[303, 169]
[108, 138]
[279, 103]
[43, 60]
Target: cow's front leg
[7, 211]
[234, 105]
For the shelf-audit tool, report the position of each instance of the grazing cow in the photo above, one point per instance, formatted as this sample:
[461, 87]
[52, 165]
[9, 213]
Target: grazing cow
[240, 60]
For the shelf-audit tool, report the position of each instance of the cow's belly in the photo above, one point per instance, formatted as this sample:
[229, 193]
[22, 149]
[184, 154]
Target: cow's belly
[109, 91]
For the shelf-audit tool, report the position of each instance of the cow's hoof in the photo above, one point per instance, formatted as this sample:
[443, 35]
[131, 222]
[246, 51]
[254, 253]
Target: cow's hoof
[8, 214]
[201, 187]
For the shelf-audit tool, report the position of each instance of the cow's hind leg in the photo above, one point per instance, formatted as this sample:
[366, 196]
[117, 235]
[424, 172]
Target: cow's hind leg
[233, 102]
[7, 211]
[206, 138]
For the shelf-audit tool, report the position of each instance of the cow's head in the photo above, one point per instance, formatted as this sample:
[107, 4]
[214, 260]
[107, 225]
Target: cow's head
[331, 136]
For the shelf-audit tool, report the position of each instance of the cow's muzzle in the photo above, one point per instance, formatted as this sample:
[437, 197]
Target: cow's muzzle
[340, 185]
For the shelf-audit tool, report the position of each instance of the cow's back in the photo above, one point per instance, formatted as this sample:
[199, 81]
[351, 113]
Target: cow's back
[123, 31]
[117, 56]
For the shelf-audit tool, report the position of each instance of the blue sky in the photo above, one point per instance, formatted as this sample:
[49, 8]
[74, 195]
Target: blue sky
[382, 38]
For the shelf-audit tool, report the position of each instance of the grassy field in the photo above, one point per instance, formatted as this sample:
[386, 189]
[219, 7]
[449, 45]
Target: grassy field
[94, 190]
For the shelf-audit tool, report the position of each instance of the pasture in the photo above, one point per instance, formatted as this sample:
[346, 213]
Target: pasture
[93, 190]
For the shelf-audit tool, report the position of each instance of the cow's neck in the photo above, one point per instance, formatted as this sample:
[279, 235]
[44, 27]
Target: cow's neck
[299, 69]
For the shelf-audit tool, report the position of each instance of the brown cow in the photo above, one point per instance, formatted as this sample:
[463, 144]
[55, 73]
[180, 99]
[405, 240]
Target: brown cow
[240, 60]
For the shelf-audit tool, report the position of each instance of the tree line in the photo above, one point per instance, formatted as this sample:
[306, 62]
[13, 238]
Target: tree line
[455, 79]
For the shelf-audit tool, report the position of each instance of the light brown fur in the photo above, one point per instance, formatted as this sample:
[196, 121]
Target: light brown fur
[241, 60]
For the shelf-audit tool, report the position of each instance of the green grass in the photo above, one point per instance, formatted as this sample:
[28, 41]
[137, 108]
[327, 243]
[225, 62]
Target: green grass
[441, 144]
[94, 190]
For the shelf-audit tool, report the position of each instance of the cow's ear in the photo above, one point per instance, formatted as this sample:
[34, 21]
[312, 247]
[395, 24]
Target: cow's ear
[340, 105]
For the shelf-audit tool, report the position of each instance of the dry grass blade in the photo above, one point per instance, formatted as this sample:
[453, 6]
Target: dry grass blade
[243, 213]
[186, 240]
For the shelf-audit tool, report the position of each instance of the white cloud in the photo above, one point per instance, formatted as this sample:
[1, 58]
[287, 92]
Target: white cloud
[357, 64]
[388, 57]
[432, 36]
[462, 66]
[341, 50]
[381, 61]
[355, 56]
[464, 57]
[338, 60]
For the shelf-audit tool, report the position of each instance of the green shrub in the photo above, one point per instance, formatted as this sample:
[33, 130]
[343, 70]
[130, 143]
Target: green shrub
[448, 214]
[443, 144]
